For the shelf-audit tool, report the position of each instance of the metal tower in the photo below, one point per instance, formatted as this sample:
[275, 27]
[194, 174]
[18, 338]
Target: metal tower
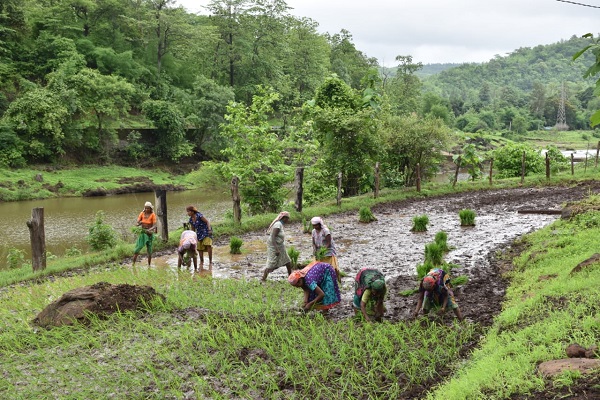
[561, 117]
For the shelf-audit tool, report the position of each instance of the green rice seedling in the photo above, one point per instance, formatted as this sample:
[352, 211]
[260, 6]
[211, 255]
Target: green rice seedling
[235, 245]
[467, 217]
[423, 269]
[441, 238]
[294, 254]
[365, 215]
[459, 280]
[321, 253]
[434, 254]
[306, 226]
[420, 223]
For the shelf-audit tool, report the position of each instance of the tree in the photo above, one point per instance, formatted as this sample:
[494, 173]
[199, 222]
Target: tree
[410, 140]
[170, 129]
[344, 125]
[405, 88]
[593, 70]
[508, 160]
[256, 153]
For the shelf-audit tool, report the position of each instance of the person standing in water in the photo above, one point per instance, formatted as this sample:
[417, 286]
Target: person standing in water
[277, 255]
[147, 221]
[203, 230]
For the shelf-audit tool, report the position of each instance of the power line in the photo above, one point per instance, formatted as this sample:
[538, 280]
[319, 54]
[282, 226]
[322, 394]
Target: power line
[579, 4]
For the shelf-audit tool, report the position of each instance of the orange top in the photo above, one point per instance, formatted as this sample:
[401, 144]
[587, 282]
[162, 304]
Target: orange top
[148, 220]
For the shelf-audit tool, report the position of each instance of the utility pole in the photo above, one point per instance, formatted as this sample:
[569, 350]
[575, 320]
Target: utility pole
[561, 117]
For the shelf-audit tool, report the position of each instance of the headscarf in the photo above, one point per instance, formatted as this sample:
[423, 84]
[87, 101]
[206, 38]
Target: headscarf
[318, 221]
[278, 218]
[298, 274]
[148, 204]
[378, 284]
[428, 282]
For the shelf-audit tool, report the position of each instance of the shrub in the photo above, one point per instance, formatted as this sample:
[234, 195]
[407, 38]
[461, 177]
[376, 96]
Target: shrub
[365, 215]
[73, 252]
[508, 159]
[294, 254]
[420, 223]
[441, 238]
[467, 217]
[235, 245]
[101, 236]
[434, 254]
[15, 258]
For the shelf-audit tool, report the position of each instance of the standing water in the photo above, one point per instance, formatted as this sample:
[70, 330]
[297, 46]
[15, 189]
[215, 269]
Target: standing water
[67, 220]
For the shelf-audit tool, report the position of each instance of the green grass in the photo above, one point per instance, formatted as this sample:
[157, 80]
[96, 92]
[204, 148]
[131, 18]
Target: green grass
[215, 339]
[540, 317]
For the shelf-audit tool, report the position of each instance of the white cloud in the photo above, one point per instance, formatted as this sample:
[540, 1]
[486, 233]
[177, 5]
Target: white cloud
[444, 31]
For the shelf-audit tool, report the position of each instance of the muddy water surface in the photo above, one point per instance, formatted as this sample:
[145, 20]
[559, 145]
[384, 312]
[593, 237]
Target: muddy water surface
[389, 245]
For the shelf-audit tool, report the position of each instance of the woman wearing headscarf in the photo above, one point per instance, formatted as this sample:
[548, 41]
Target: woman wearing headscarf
[201, 226]
[369, 292]
[319, 283]
[277, 255]
[435, 291]
[187, 244]
[147, 220]
[321, 239]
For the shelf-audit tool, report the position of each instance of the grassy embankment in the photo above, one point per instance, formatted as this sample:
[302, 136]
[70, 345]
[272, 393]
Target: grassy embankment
[237, 339]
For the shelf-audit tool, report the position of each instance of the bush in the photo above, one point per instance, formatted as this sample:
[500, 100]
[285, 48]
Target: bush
[101, 236]
[15, 258]
[434, 254]
[420, 223]
[73, 252]
[235, 245]
[365, 215]
[467, 217]
[294, 254]
[508, 159]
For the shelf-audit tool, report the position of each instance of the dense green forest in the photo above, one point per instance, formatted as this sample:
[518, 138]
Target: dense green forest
[141, 82]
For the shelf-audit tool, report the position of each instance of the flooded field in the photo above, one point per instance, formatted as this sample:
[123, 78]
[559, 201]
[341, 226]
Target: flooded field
[389, 245]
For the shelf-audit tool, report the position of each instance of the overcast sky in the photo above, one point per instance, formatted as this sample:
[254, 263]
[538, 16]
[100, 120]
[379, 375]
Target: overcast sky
[442, 31]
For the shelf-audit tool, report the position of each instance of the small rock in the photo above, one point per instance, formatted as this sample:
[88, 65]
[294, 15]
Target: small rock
[575, 351]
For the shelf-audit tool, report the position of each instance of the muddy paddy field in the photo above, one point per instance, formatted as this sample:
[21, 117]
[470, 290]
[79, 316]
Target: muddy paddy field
[482, 252]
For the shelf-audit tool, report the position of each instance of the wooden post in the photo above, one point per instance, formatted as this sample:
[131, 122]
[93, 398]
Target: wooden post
[547, 166]
[523, 168]
[597, 152]
[38, 239]
[572, 164]
[491, 169]
[376, 193]
[458, 161]
[299, 188]
[418, 177]
[160, 208]
[339, 192]
[235, 196]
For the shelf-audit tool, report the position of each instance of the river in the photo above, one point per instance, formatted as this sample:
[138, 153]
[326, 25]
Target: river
[67, 220]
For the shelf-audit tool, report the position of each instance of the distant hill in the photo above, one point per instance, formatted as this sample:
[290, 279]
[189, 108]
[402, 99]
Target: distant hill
[427, 70]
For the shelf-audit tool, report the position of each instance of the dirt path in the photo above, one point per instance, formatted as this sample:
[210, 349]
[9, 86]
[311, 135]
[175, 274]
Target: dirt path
[389, 245]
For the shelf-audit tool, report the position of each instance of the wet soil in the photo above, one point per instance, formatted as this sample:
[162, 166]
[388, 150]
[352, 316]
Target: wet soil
[482, 253]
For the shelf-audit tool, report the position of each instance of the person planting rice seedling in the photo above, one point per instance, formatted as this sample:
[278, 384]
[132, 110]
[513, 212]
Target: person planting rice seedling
[435, 291]
[369, 291]
[321, 239]
[204, 233]
[318, 280]
[187, 244]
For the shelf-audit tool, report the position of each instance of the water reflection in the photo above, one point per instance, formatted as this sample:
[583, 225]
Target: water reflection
[67, 220]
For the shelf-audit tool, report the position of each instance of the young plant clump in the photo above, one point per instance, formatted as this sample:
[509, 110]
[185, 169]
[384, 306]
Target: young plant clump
[467, 217]
[420, 223]
[321, 253]
[235, 245]
[441, 238]
[365, 215]
[434, 254]
[294, 254]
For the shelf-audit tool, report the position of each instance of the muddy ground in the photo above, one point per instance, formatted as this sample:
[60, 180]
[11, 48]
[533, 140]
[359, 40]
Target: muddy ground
[388, 244]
